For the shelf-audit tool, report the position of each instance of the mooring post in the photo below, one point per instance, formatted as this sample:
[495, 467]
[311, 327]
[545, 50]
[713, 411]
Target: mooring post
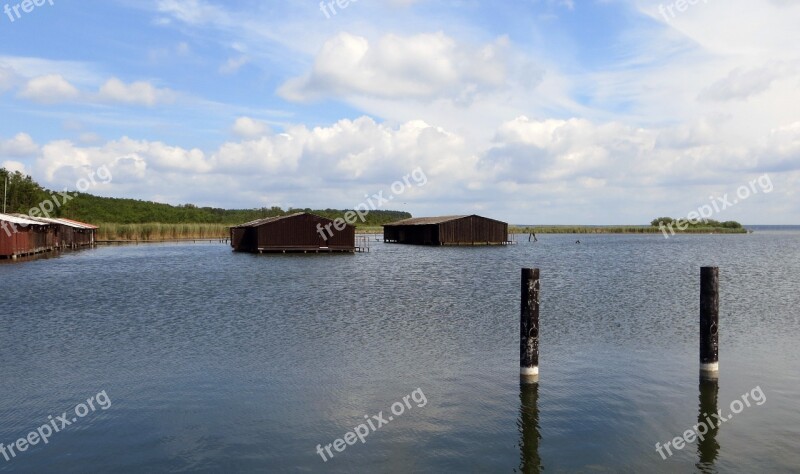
[529, 326]
[709, 321]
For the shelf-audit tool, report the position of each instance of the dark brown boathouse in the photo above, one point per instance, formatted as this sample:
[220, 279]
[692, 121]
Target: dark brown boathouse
[301, 232]
[447, 230]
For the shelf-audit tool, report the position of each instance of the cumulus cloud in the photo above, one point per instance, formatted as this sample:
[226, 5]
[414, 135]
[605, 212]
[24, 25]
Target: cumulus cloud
[538, 151]
[301, 166]
[14, 166]
[50, 89]
[247, 127]
[423, 66]
[21, 145]
[128, 159]
[55, 89]
[136, 93]
[559, 165]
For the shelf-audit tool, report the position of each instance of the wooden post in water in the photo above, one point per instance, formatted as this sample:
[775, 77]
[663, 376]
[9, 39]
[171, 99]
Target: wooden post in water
[709, 322]
[529, 326]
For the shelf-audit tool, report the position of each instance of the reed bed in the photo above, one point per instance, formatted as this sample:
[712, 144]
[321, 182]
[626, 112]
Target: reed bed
[618, 230]
[158, 231]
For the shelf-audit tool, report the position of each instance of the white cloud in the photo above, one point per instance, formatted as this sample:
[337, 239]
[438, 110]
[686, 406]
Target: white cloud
[14, 166]
[191, 11]
[50, 89]
[247, 127]
[7, 78]
[743, 83]
[31, 67]
[53, 89]
[423, 66]
[136, 93]
[21, 145]
[130, 161]
[572, 167]
[233, 65]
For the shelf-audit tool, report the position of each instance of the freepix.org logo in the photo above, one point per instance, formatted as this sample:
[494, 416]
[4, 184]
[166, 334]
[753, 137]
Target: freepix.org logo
[14, 11]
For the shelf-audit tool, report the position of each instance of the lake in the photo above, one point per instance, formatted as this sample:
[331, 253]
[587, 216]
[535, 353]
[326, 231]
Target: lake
[197, 359]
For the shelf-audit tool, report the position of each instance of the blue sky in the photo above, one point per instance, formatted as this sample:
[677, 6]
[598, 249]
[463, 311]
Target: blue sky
[531, 111]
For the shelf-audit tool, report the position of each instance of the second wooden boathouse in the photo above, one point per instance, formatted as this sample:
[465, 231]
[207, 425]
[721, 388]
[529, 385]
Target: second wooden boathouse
[20, 237]
[447, 230]
[69, 234]
[301, 232]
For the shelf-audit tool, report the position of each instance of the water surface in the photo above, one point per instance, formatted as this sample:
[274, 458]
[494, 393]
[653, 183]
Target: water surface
[216, 361]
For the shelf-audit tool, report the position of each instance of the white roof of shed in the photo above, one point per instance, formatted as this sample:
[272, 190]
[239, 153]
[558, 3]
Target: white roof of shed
[18, 220]
[54, 220]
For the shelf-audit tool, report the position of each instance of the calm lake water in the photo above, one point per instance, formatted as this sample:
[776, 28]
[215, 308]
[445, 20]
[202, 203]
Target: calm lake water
[222, 362]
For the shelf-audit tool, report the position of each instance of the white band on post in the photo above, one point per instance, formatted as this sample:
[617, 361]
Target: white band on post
[529, 370]
[712, 367]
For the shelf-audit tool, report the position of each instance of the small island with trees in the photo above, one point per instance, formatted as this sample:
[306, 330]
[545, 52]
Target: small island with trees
[664, 225]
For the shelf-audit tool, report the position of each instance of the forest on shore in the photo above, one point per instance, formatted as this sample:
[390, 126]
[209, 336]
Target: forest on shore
[133, 219]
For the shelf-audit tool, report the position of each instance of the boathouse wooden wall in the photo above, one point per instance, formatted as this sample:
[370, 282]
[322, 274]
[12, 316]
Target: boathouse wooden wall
[293, 233]
[454, 230]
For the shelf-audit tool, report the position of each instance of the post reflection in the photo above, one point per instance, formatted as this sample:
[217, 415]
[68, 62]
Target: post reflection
[707, 445]
[528, 425]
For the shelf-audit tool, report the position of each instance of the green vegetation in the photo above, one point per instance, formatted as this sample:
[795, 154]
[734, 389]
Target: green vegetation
[730, 227]
[23, 192]
[158, 231]
[579, 229]
[88, 208]
[701, 224]
[131, 219]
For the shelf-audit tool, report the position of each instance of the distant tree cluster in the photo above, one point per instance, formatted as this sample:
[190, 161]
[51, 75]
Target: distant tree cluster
[710, 223]
[24, 194]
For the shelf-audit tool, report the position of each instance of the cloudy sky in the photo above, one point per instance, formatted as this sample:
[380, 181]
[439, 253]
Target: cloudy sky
[531, 111]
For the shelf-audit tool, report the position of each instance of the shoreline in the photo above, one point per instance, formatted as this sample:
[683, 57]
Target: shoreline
[154, 231]
[513, 230]
[578, 229]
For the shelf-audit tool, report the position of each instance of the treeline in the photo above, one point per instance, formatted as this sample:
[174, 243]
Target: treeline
[697, 224]
[20, 192]
[24, 194]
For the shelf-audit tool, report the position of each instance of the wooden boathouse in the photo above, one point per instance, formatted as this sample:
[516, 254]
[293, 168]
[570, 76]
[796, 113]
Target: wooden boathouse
[21, 236]
[302, 232]
[69, 234]
[447, 230]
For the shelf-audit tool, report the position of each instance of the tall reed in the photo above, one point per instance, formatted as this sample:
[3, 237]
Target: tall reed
[153, 231]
